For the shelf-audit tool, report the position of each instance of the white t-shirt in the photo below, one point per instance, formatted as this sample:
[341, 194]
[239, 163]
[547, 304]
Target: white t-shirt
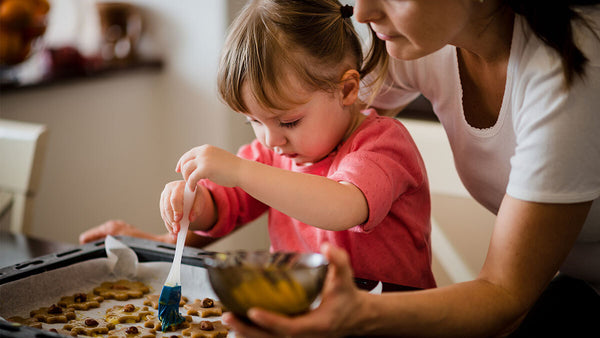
[545, 145]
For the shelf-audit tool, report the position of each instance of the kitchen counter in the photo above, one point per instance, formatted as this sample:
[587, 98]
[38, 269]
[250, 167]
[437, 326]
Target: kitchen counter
[18, 248]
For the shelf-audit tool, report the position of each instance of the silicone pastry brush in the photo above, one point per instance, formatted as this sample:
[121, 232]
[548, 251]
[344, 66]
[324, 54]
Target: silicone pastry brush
[170, 295]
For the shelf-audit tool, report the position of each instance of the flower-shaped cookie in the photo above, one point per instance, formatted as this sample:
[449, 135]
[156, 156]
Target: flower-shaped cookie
[127, 313]
[204, 308]
[53, 314]
[132, 331]
[121, 289]
[81, 301]
[88, 327]
[207, 329]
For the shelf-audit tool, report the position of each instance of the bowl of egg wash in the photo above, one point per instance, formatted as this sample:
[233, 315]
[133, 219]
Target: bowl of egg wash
[282, 282]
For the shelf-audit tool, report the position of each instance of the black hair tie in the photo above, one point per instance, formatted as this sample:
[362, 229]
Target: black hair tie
[346, 11]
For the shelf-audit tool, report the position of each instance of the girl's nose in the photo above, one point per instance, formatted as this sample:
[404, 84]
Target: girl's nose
[274, 139]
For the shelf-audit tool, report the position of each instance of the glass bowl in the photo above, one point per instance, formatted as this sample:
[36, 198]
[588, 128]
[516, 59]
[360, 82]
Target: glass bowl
[282, 282]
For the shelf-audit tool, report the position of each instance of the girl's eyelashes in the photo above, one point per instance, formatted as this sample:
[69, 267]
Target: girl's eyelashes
[291, 124]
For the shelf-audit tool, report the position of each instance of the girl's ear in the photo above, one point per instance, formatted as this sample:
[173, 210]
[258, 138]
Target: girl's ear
[350, 85]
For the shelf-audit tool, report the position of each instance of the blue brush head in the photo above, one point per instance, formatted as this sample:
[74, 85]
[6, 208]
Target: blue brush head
[168, 306]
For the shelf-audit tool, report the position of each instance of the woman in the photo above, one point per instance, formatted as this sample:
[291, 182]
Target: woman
[515, 85]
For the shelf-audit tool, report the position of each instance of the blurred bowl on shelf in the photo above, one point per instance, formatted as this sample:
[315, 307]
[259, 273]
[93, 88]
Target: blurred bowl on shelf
[286, 283]
[22, 23]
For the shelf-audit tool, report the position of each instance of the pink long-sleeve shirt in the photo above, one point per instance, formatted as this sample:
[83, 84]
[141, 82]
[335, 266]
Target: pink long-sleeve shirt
[381, 159]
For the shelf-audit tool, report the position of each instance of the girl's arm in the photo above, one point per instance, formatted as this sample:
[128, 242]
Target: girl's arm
[529, 243]
[311, 199]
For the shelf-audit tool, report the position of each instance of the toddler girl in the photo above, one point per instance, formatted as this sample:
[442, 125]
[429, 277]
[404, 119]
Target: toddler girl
[324, 170]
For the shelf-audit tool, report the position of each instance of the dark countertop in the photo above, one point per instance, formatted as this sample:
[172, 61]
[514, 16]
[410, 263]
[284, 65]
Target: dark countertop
[18, 248]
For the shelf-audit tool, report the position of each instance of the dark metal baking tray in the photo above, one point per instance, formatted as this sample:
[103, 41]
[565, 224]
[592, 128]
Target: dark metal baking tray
[146, 251]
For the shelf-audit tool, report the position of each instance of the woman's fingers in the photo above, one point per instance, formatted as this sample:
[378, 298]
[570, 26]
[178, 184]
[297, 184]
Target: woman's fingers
[244, 329]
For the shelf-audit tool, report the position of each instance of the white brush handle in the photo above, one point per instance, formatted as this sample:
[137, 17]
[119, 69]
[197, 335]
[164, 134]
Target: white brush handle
[174, 277]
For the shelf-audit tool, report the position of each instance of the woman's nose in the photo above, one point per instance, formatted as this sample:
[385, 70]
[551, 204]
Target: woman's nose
[365, 10]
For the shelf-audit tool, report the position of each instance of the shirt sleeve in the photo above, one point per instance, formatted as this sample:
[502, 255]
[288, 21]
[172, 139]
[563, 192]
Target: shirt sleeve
[385, 165]
[557, 157]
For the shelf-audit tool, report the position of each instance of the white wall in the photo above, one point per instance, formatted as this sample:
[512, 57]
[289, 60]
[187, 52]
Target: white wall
[113, 142]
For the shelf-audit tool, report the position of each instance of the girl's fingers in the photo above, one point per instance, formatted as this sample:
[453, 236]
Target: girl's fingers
[176, 203]
[188, 168]
[163, 210]
[181, 161]
[187, 156]
[192, 180]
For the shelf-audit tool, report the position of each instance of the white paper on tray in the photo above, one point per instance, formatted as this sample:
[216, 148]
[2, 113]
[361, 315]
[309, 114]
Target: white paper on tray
[18, 298]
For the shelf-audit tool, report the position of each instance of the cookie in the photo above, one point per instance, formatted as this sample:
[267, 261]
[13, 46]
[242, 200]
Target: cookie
[154, 323]
[121, 289]
[206, 329]
[59, 331]
[53, 314]
[81, 301]
[132, 331]
[152, 300]
[26, 321]
[88, 327]
[204, 308]
[127, 313]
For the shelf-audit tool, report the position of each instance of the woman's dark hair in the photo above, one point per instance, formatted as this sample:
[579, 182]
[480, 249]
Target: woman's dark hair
[551, 21]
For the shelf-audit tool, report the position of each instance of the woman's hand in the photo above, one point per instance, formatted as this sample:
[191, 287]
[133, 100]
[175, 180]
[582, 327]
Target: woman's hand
[213, 163]
[334, 317]
[119, 228]
[202, 214]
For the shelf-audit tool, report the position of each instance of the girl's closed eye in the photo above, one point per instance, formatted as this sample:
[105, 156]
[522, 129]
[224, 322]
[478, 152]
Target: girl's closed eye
[290, 124]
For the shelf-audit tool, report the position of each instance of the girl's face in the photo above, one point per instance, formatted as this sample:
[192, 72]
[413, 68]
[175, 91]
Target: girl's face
[415, 28]
[307, 132]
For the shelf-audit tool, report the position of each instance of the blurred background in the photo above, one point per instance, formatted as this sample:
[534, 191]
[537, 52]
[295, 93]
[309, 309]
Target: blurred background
[116, 131]
[123, 90]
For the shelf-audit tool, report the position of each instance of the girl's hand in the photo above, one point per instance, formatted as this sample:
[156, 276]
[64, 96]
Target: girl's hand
[171, 205]
[203, 214]
[215, 164]
[334, 316]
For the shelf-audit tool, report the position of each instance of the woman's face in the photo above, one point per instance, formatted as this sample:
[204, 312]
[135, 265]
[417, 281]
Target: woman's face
[415, 28]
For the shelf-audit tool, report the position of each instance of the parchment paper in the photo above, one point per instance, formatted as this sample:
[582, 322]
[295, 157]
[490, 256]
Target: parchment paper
[18, 298]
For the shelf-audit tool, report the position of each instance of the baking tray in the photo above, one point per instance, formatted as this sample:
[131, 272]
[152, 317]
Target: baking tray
[145, 250]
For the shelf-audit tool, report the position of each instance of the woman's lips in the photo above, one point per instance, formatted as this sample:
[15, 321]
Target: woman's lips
[383, 37]
[290, 155]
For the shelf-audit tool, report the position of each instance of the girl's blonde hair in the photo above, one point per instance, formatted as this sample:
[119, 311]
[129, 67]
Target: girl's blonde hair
[273, 42]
